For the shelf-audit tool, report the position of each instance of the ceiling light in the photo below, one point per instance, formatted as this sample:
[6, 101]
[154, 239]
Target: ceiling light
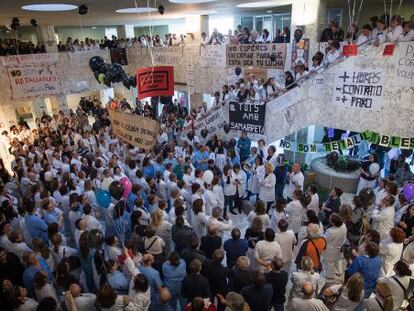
[50, 7]
[136, 10]
[206, 12]
[260, 4]
[270, 11]
[93, 27]
[191, 1]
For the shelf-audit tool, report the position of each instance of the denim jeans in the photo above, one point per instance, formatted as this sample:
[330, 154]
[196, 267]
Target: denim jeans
[228, 203]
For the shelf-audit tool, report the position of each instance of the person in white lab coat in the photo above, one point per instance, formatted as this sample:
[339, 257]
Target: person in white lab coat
[383, 217]
[294, 212]
[230, 189]
[240, 179]
[258, 173]
[398, 282]
[267, 186]
[296, 180]
[395, 29]
[335, 238]
[390, 250]
[287, 240]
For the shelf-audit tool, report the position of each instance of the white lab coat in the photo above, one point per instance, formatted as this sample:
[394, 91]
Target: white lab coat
[254, 181]
[294, 212]
[267, 188]
[241, 188]
[334, 267]
[383, 221]
[229, 188]
[390, 253]
[212, 201]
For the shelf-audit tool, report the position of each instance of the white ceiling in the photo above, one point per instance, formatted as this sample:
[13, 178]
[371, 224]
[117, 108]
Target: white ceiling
[102, 12]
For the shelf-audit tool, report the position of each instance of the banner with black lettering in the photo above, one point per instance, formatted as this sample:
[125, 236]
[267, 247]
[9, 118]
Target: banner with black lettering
[272, 55]
[359, 88]
[138, 131]
[350, 142]
[249, 117]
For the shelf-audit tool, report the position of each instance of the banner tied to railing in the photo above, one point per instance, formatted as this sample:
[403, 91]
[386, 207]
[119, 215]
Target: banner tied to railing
[350, 142]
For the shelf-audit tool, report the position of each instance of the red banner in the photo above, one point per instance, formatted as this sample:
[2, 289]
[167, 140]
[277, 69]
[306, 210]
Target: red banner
[155, 81]
[350, 50]
[389, 50]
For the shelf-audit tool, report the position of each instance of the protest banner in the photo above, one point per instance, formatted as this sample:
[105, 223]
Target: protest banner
[138, 131]
[249, 117]
[155, 81]
[404, 68]
[171, 55]
[257, 55]
[119, 56]
[30, 59]
[213, 56]
[259, 73]
[300, 53]
[350, 142]
[355, 88]
[29, 82]
[283, 102]
[216, 122]
[81, 58]
[318, 86]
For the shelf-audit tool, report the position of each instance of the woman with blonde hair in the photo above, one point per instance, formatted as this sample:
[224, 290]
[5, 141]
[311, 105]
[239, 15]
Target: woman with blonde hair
[349, 295]
[162, 229]
[382, 300]
[267, 186]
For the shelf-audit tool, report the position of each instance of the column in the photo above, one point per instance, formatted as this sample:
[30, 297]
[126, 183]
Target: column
[309, 14]
[59, 103]
[46, 37]
[196, 24]
[121, 32]
[129, 31]
[196, 100]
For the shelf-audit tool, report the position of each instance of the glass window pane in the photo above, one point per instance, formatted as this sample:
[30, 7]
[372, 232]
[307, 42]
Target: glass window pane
[247, 22]
[259, 24]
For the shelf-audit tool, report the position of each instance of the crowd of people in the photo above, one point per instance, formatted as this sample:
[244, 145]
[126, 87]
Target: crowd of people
[175, 239]
[379, 30]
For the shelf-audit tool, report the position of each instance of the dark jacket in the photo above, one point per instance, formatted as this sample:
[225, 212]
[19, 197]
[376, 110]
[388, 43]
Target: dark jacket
[195, 285]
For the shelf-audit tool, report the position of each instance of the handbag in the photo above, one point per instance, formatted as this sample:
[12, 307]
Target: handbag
[332, 299]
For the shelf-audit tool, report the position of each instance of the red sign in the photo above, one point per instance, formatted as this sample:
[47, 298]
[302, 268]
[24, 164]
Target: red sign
[389, 50]
[155, 81]
[350, 50]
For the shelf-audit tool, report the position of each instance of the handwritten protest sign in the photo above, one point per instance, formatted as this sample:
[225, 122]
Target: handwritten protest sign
[29, 82]
[257, 55]
[354, 88]
[283, 102]
[249, 117]
[213, 56]
[213, 123]
[30, 59]
[404, 68]
[155, 81]
[138, 131]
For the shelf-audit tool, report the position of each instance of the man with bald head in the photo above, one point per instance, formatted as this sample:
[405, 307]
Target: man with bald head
[296, 180]
[307, 302]
[163, 303]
